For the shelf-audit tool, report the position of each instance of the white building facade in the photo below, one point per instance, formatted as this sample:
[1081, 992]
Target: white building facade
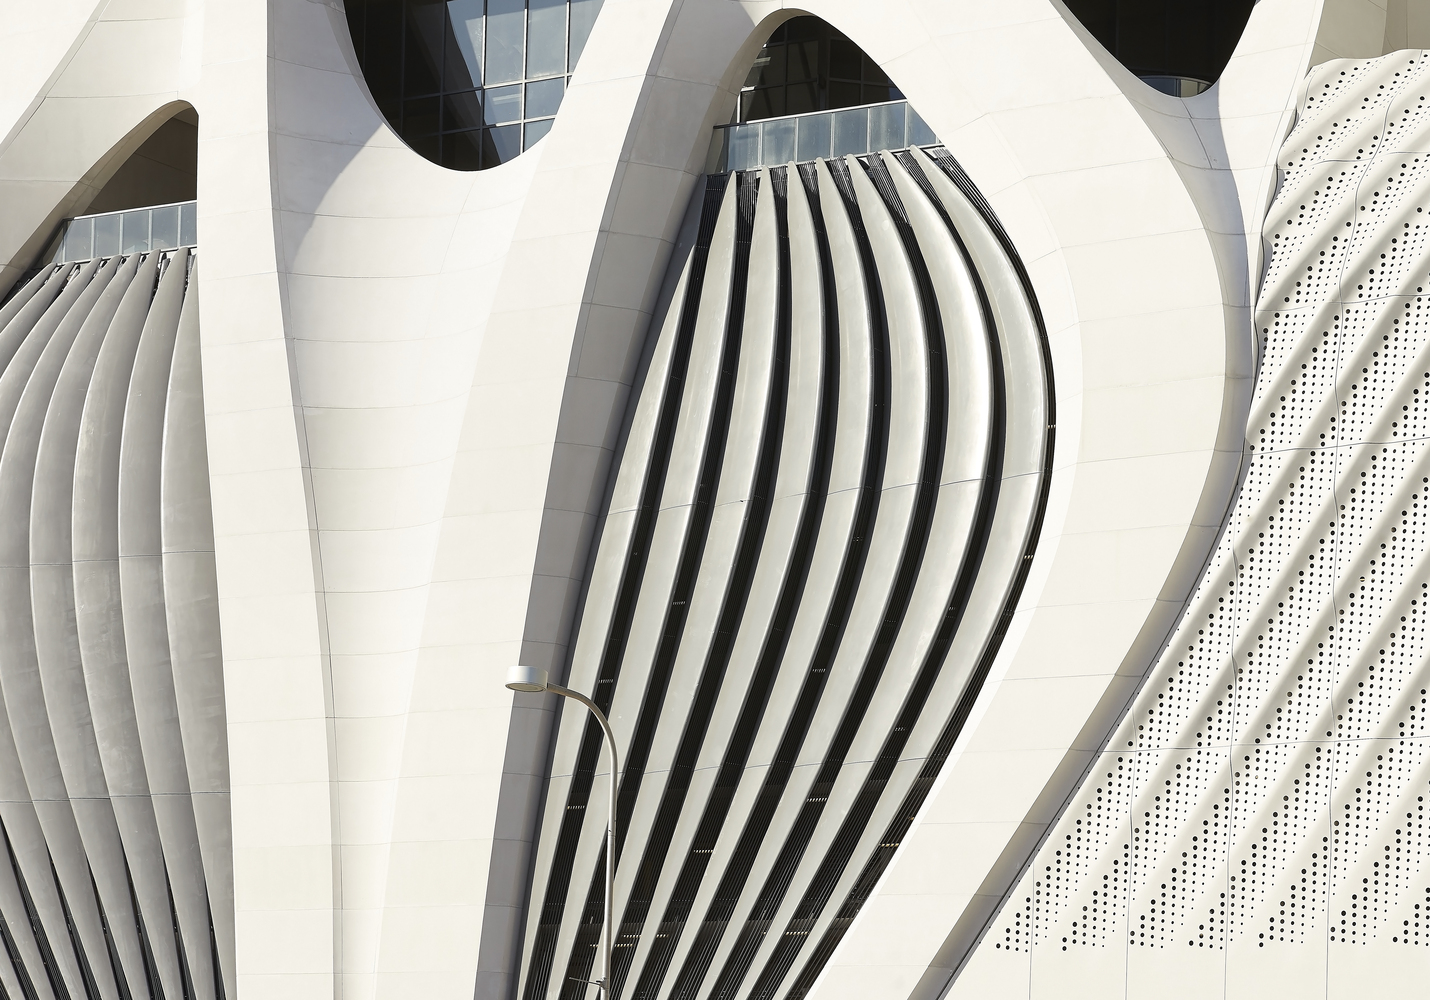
[972, 452]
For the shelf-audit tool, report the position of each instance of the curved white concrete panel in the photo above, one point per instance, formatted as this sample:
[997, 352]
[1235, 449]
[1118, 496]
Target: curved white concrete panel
[191, 599]
[99, 620]
[145, 616]
[85, 840]
[56, 638]
[25, 390]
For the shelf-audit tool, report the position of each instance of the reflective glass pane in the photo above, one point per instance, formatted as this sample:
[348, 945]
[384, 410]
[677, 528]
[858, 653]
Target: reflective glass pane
[544, 97]
[919, 132]
[188, 225]
[506, 40]
[503, 104]
[878, 93]
[467, 20]
[536, 131]
[456, 74]
[803, 58]
[844, 95]
[779, 141]
[874, 74]
[546, 38]
[461, 111]
[772, 72]
[851, 131]
[429, 146]
[801, 98]
[744, 148]
[462, 150]
[419, 117]
[79, 241]
[164, 231]
[813, 136]
[422, 54]
[755, 105]
[106, 236]
[583, 17]
[845, 59]
[135, 232]
[886, 126]
[500, 145]
[776, 101]
[802, 29]
[756, 76]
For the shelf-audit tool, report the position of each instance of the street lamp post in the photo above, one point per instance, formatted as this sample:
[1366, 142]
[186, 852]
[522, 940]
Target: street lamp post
[534, 680]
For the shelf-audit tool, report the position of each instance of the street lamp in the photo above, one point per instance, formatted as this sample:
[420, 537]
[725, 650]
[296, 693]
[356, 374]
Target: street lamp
[534, 680]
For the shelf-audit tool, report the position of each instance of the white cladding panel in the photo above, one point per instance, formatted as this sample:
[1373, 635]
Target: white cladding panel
[1257, 824]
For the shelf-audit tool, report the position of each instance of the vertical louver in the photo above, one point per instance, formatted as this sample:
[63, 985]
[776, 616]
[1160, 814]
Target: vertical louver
[829, 492]
[113, 750]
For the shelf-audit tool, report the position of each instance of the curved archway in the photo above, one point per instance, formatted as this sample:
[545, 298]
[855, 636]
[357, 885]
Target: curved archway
[1179, 47]
[812, 92]
[154, 167]
[123, 165]
[809, 65]
[163, 169]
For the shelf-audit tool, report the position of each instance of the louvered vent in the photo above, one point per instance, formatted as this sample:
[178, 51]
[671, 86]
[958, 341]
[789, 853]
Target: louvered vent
[832, 482]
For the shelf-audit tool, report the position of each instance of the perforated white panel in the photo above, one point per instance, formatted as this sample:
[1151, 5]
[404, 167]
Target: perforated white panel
[1256, 826]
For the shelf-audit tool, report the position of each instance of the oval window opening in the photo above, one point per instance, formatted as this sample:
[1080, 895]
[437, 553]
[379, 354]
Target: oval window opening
[469, 84]
[1179, 47]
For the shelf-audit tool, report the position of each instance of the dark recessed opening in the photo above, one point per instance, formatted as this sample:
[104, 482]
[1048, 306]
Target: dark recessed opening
[160, 172]
[812, 93]
[1168, 40]
[809, 66]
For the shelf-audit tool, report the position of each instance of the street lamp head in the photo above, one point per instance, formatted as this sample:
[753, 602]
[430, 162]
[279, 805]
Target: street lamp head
[534, 680]
[530, 679]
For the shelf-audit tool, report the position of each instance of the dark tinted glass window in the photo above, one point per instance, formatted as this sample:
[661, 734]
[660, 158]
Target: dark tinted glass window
[469, 83]
[809, 66]
[1168, 39]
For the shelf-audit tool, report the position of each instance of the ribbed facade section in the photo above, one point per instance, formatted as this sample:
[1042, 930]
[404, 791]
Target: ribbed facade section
[831, 486]
[117, 877]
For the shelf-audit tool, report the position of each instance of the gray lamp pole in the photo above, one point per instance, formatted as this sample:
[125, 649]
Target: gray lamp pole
[534, 681]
